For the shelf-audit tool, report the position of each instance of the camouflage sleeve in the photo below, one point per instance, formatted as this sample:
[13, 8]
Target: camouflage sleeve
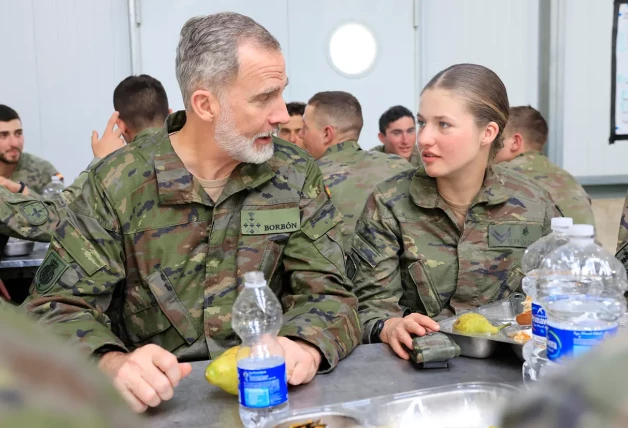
[319, 308]
[71, 192]
[591, 391]
[28, 217]
[588, 215]
[374, 264]
[623, 226]
[43, 383]
[33, 194]
[551, 211]
[73, 287]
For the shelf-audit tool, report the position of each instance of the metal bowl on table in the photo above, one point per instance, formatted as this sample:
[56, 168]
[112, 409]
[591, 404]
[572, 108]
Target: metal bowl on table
[18, 247]
[467, 405]
[328, 419]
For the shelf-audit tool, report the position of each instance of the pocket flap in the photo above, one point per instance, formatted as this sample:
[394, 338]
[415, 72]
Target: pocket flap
[427, 293]
[147, 323]
[172, 307]
[79, 248]
[320, 223]
[365, 251]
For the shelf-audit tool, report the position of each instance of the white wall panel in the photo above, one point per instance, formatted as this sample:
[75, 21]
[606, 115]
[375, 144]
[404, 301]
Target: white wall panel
[70, 56]
[501, 35]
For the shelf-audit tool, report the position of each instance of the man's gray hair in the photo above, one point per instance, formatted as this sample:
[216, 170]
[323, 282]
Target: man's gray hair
[207, 54]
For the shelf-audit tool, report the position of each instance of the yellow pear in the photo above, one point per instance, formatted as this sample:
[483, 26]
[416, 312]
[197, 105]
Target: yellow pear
[223, 371]
[472, 323]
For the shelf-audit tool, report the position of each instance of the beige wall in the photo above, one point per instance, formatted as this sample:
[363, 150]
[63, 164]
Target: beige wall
[607, 215]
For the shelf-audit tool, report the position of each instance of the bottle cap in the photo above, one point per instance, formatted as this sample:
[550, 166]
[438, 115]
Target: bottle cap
[254, 279]
[581, 231]
[561, 223]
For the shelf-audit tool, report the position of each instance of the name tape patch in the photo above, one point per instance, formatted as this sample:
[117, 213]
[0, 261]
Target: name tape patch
[262, 222]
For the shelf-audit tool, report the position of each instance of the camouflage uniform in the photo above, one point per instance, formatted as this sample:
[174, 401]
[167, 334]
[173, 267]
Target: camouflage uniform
[149, 257]
[568, 194]
[71, 192]
[589, 392]
[35, 172]
[33, 218]
[415, 157]
[408, 254]
[351, 174]
[44, 384]
[622, 238]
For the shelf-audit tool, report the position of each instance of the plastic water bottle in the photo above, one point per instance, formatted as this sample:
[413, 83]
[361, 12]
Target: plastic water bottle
[55, 187]
[581, 289]
[534, 349]
[263, 381]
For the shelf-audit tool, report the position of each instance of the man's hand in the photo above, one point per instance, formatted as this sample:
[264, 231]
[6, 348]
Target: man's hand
[12, 186]
[302, 360]
[111, 139]
[145, 377]
[397, 331]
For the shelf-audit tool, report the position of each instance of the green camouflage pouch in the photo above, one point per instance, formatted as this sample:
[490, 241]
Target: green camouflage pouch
[434, 350]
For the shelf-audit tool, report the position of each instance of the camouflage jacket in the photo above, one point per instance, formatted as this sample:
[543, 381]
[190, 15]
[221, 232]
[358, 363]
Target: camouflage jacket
[622, 238]
[147, 257]
[567, 193]
[34, 218]
[44, 384]
[408, 254]
[35, 172]
[351, 174]
[72, 191]
[29, 217]
[591, 391]
[415, 158]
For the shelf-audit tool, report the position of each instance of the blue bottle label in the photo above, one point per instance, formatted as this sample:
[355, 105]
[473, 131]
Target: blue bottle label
[539, 320]
[261, 388]
[572, 343]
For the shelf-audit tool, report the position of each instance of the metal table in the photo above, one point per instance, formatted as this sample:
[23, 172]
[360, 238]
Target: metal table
[32, 260]
[370, 371]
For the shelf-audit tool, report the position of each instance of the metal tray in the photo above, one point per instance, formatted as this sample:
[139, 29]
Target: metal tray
[18, 247]
[483, 345]
[467, 405]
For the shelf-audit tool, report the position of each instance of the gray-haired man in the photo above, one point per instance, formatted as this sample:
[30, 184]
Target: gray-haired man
[145, 272]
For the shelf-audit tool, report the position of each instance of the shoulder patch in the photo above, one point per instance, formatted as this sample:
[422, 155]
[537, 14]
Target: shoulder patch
[36, 212]
[49, 272]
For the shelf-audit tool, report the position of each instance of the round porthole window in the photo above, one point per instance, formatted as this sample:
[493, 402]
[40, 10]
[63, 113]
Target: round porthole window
[352, 49]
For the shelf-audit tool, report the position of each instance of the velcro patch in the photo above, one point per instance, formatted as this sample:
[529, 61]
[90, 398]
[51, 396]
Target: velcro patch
[49, 272]
[35, 212]
[513, 235]
[263, 222]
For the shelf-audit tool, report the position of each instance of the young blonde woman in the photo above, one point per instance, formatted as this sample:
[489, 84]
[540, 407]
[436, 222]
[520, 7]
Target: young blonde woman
[448, 235]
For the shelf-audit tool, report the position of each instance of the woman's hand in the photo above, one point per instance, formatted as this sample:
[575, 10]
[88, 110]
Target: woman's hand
[398, 331]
